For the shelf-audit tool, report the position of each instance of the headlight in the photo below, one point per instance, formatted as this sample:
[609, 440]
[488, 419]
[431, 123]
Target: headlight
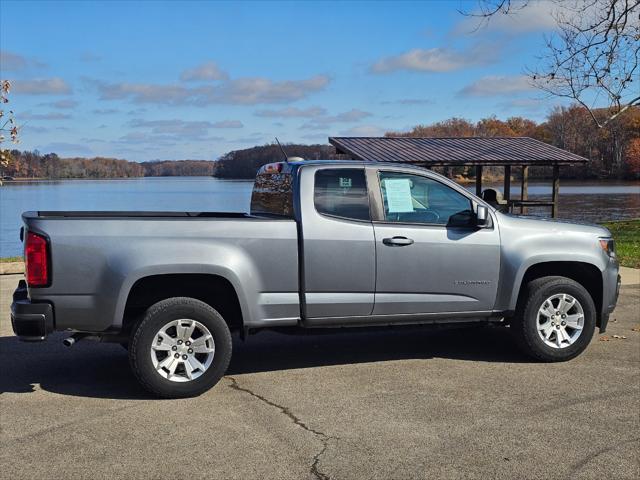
[608, 246]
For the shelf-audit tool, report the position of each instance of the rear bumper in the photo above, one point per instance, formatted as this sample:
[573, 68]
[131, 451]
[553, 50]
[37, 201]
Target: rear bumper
[31, 322]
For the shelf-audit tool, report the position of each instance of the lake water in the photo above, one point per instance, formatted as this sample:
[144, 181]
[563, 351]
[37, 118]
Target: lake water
[590, 202]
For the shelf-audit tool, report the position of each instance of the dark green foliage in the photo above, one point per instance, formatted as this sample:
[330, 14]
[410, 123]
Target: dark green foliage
[245, 163]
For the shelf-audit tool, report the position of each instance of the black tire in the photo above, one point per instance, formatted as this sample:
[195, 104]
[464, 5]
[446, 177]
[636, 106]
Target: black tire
[524, 324]
[156, 317]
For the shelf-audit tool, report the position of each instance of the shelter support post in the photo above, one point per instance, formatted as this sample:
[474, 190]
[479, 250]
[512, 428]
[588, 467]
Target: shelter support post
[555, 191]
[478, 180]
[507, 183]
[524, 188]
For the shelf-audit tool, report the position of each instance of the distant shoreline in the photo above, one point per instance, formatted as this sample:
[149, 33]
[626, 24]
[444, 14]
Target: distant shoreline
[58, 179]
[459, 179]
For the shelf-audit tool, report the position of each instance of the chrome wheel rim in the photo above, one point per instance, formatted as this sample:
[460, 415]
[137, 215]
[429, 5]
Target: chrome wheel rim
[182, 350]
[560, 320]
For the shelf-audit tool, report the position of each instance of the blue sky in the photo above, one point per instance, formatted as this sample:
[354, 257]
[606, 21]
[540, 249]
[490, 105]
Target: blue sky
[178, 80]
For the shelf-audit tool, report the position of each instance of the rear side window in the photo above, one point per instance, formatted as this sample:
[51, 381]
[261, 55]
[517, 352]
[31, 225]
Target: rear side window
[342, 192]
[273, 194]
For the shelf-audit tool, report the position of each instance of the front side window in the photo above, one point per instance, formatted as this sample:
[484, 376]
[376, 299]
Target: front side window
[415, 199]
[342, 192]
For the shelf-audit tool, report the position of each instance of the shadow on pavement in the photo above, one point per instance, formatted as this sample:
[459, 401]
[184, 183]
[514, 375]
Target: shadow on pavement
[96, 370]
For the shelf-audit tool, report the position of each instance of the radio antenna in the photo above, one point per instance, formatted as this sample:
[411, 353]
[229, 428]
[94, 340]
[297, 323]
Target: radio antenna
[284, 154]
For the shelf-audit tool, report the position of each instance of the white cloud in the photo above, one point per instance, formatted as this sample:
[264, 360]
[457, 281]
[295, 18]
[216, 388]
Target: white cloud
[63, 104]
[320, 123]
[241, 91]
[317, 136]
[12, 62]
[535, 16]
[439, 59]
[527, 103]
[65, 149]
[104, 111]
[88, 57]
[144, 93]
[496, 85]
[44, 116]
[250, 91]
[186, 128]
[408, 101]
[42, 86]
[31, 128]
[208, 71]
[292, 112]
[364, 131]
[228, 124]
[253, 139]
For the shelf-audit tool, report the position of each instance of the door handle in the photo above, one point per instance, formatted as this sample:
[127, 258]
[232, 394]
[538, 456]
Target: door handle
[397, 241]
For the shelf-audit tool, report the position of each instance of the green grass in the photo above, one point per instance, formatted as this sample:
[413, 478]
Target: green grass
[11, 259]
[627, 236]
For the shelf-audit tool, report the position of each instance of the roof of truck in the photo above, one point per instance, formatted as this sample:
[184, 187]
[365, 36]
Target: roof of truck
[366, 163]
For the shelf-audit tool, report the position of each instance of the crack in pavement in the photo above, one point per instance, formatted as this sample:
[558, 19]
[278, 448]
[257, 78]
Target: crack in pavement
[591, 456]
[323, 437]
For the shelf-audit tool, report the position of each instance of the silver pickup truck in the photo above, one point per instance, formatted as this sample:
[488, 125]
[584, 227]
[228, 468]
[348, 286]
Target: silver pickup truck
[327, 244]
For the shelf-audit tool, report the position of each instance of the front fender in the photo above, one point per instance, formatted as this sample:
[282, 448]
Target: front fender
[512, 282]
[526, 242]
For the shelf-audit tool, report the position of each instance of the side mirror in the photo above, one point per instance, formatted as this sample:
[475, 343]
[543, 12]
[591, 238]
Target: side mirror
[482, 216]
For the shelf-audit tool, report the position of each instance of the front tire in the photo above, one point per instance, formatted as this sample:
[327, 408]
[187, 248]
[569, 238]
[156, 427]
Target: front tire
[556, 319]
[181, 348]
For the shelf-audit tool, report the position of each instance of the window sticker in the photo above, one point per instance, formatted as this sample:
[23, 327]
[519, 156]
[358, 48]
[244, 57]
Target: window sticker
[398, 192]
[345, 182]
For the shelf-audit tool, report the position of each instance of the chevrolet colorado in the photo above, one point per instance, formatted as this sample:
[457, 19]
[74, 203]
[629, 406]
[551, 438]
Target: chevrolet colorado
[326, 244]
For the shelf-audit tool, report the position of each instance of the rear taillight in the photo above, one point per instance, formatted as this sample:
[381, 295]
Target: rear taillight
[36, 259]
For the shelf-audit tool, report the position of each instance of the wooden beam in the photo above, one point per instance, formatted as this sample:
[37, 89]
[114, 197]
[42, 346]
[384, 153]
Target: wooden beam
[555, 191]
[478, 180]
[524, 188]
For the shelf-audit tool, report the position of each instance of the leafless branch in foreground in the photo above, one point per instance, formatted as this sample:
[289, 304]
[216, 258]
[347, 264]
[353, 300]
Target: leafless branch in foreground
[592, 58]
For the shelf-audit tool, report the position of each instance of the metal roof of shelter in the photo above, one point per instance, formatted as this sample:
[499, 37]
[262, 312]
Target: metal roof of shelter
[455, 150]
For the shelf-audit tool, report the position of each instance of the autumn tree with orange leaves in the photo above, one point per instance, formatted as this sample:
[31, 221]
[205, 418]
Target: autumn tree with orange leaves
[8, 127]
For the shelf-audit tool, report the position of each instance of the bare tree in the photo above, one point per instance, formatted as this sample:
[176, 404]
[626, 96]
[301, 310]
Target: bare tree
[592, 58]
[7, 124]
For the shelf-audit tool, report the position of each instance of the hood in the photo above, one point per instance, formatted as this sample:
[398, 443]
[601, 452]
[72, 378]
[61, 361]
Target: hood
[552, 225]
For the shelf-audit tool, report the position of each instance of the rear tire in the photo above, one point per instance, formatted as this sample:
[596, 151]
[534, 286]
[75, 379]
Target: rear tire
[555, 320]
[180, 348]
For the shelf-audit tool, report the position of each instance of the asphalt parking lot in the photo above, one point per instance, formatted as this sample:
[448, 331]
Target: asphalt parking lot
[396, 404]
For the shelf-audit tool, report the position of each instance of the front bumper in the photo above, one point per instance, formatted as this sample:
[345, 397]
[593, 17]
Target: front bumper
[31, 322]
[611, 292]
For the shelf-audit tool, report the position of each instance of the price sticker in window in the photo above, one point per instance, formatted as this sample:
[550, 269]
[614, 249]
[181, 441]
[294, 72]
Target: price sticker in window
[398, 193]
[345, 182]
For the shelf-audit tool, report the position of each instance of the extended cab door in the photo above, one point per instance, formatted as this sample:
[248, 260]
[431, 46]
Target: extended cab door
[338, 246]
[431, 258]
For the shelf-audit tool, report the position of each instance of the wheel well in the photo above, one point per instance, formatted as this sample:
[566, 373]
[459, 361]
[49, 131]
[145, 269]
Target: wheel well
[213, 290]
[585, 274]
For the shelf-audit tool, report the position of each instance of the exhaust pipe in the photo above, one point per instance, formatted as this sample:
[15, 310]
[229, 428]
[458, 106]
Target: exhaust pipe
[110, 338]
[76, 337]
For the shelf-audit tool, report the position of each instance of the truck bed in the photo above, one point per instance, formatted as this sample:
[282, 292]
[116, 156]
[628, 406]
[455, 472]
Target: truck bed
[97, 257]
[52, 214]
